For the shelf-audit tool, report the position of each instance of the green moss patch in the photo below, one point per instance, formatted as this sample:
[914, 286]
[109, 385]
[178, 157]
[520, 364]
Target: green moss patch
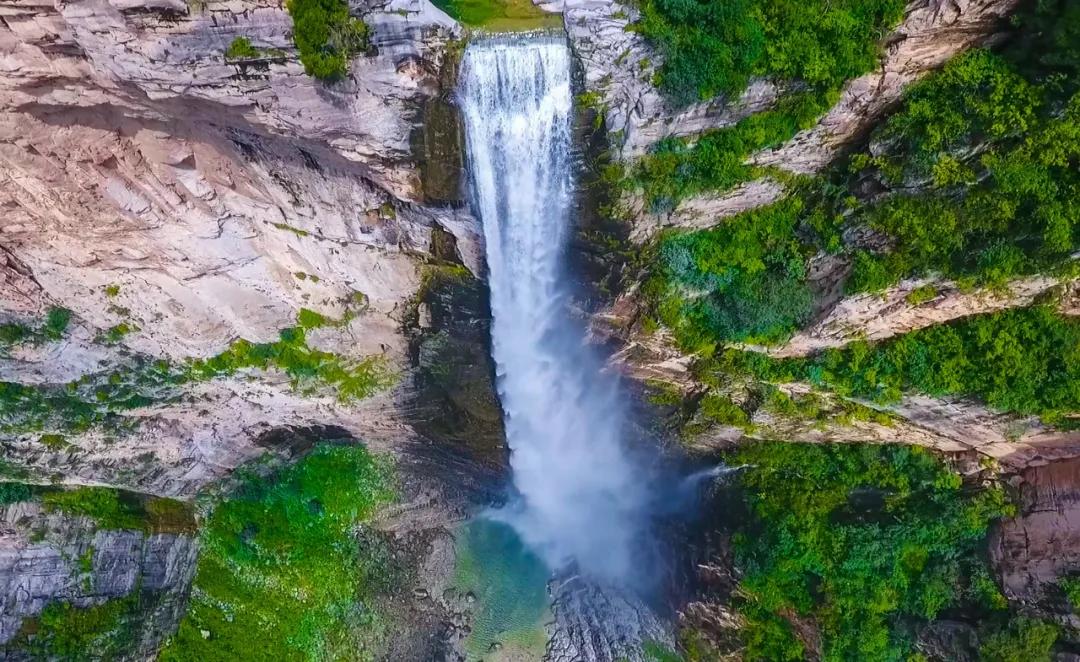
[111, 508]
[283, 574]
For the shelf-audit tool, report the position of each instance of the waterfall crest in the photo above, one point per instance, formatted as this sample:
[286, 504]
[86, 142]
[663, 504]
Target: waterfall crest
[579, 496]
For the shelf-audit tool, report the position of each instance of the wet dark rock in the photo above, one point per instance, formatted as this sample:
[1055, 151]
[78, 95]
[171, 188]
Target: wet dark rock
[453, 400]
[595, 623]
[948, 640]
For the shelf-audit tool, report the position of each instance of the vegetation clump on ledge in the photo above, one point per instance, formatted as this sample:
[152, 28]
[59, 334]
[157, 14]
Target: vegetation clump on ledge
[241, 48]
[1024, 361]
[50, 329]
[326, 36]
[101, 400]
[63, 631]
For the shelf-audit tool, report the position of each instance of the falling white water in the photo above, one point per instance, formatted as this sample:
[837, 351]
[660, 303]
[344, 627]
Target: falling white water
[579, 495]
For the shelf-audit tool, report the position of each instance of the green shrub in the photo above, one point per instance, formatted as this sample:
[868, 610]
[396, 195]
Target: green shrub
[862, 539]
[56, 322]
[1070, 586]
[326, 36]
[14, 493]
[744, 280]
[282, 575]
[720, 409]
[241, 49]
[65, 632]
[976, 97]
[50, 329]
[1024, 640]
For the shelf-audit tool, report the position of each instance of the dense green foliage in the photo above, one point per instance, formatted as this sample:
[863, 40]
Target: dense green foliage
[1001, 157]
[712, 48]
[326, 36]
[741, 281]
[976, 178]
[864, 539]
[1025, 361]
[115, 509]
[283, 573]
[1023, 640]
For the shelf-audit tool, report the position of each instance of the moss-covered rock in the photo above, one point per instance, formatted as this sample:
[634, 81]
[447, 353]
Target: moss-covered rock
[454, 396]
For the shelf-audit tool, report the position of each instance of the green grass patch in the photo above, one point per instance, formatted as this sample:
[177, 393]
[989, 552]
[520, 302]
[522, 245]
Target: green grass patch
[116, 509]
[500, 15]
[283, 574]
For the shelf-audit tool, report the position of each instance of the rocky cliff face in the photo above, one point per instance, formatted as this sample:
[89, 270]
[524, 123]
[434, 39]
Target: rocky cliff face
[177, 201]
[1034, 550]
[49, 557]
[149, 182]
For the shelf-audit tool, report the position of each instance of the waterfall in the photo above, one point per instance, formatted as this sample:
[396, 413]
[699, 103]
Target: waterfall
[579, 496]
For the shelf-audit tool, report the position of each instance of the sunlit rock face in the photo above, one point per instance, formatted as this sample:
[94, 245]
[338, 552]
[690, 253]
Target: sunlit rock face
[149, 181]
